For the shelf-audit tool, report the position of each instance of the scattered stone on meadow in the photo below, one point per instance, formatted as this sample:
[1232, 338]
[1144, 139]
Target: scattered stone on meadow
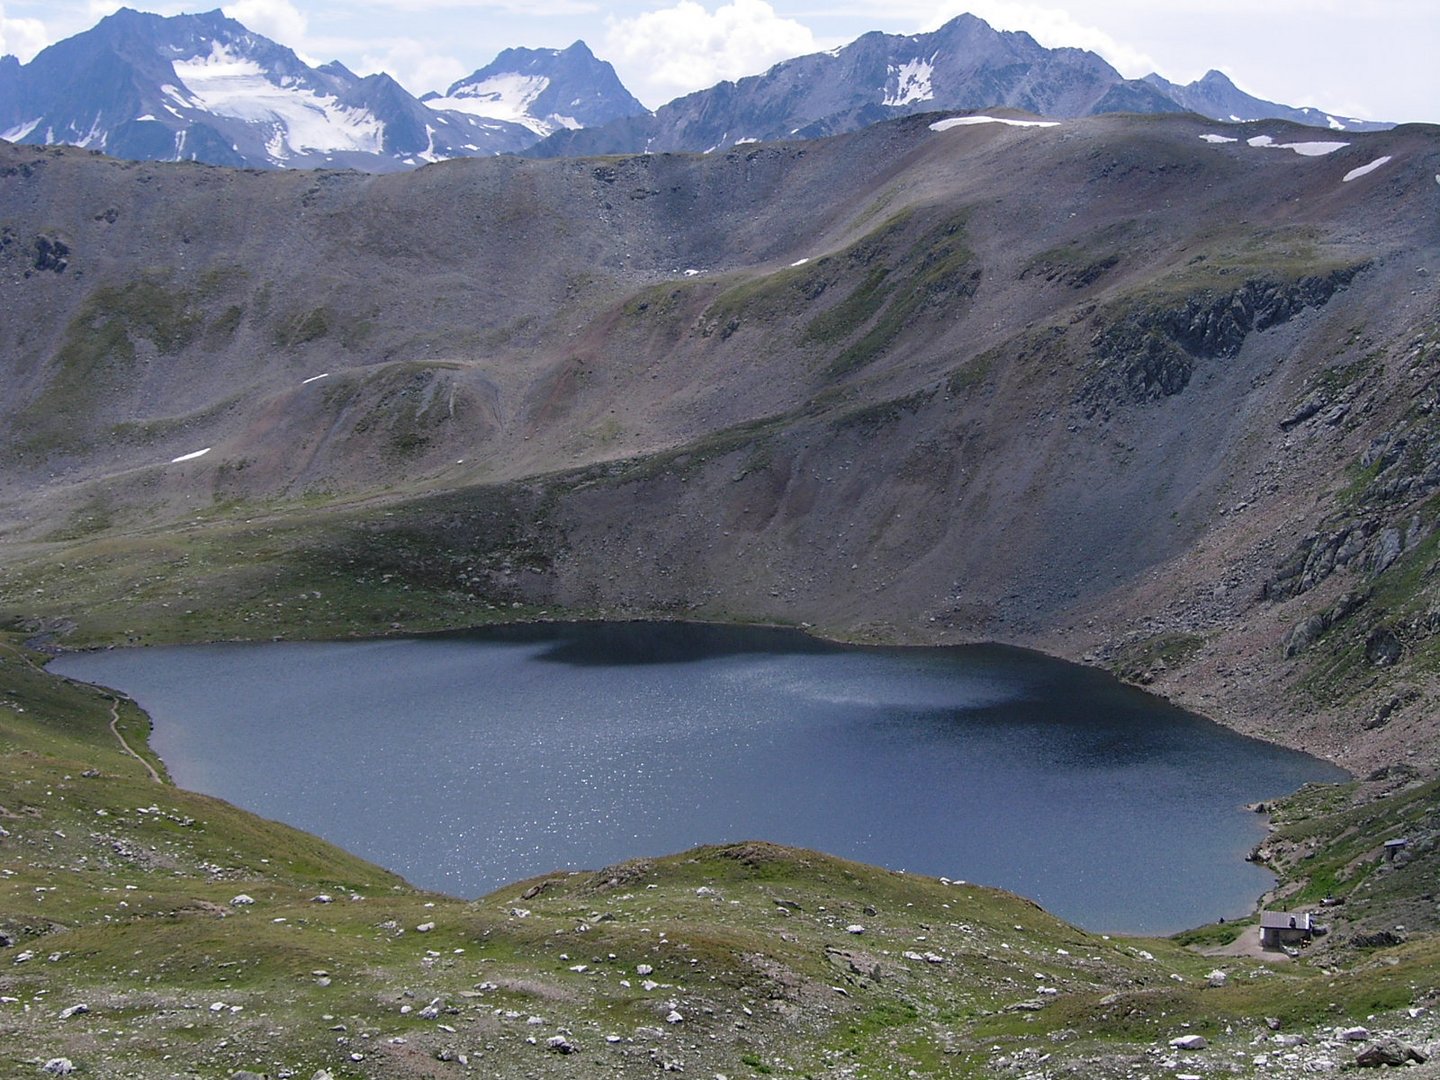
[248, 1074]
[854, 928]
[431, 1011]
[323, 1074]
[322, 898]
[674, 1017]
[425, 927]
[644, 969]
[1354, 1034]
[242, 900]
[1190, 1042]
[1216, 978]
[58, 1066]
[1388, 1051]
[559, 1044]
[74, 1010]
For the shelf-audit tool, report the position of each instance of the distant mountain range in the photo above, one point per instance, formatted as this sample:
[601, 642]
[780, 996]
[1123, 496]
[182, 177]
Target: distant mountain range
[966, 64]
[1217, 97]
[205, 88]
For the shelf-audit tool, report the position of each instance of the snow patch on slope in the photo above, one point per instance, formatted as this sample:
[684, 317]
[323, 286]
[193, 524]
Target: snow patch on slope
[1365, 170]
[911, 82]
[1304, 149]
[19, 132]
[230, 85]
[964, 121]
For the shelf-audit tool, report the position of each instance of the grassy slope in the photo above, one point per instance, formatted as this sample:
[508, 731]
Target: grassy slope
[117, 894]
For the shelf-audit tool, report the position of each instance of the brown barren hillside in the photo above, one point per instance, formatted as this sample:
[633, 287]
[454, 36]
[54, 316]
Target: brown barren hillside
[1112, 388]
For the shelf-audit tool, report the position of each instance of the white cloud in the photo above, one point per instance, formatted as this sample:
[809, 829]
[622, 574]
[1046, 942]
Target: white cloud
[279, 20]
[22, 37]
[662, 54]
[415, 66]
[1051, 27]
[528, 8]
[100, 8]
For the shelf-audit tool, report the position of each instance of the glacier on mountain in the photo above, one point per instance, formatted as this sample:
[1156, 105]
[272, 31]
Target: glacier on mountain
[226, 84]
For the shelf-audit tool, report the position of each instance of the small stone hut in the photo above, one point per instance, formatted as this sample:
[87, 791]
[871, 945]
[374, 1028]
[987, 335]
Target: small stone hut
[1281, 928]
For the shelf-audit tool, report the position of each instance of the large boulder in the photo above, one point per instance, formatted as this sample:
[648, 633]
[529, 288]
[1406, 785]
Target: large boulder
[1388, 1051]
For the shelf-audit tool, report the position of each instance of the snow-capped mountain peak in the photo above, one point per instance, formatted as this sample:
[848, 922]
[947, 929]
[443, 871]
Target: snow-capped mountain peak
[203, 87]
[543, 89]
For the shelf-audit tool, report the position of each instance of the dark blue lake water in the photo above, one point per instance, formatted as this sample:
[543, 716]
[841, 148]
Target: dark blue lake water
[466, 761]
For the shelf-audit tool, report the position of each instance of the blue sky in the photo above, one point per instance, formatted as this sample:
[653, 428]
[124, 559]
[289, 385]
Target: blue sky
[1374, 59]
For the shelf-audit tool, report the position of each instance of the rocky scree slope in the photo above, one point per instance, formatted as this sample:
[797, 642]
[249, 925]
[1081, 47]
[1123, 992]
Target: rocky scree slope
[1111, 388]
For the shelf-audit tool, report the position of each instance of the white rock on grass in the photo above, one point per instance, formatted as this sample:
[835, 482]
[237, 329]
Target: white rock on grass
[1190, 1042]
[674, 1017]
[242, 900]
[1216, 978]
[58, 1067]
[74, 1010]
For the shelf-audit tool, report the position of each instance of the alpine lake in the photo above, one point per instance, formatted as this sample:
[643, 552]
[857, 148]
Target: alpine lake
[465, 761]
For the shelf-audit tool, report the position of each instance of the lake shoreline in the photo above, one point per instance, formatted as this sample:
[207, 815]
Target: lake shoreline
[516, 630]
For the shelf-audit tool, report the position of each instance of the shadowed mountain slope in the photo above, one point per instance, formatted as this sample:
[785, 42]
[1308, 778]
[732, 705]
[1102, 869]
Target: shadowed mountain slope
[1112, 388]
